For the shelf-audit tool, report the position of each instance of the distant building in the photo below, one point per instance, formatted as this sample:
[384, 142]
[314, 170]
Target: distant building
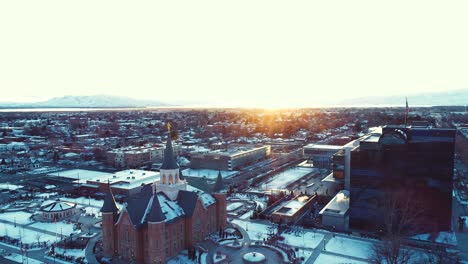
[231, 159]
[321, 155]
[126, 182]
[161, 220]
[404, 165]
[134, 157]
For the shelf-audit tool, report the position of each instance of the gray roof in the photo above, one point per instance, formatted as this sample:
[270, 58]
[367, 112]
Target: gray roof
[200, 183]
[137, 205]
[188, 201]
[147, 207]
[155, 213]
[109, 205]
[169, 161]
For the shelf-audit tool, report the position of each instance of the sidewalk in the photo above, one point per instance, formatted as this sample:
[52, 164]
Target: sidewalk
[89, 254]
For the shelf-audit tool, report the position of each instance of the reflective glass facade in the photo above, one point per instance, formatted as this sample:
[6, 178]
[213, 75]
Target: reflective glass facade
[416, 161]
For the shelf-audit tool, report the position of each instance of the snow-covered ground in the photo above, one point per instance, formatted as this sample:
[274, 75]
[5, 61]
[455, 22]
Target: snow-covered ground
[76, 253]
[10, 186]
[25, 235]
[304, 253]
[331, 259]
[310, 239]
[234, 206]
[262, 201]
[59, 227]
[45, 195]
[350, 247]
[246, 215]
[442, 237]
[84, 200]
[20, 217]
[92, 210]
[255, 230]
[282, 179]
[22, 259]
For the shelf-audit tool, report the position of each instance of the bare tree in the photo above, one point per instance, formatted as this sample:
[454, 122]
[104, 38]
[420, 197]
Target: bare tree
[391, 251]
[440, 254]
[402, 213]
[258, 235]
[38, 237]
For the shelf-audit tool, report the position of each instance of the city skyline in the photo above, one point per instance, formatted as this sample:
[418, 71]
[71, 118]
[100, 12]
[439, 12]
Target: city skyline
[270, 53]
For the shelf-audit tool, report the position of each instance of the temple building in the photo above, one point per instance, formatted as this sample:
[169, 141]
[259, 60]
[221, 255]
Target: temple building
[161, 220]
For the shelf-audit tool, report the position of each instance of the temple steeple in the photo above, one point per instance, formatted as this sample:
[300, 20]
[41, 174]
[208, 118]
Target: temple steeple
[169, 161]
[170, 181]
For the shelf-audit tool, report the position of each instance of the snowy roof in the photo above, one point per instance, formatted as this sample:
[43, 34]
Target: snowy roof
[325, 147]
[143, 207]
[291, 207]
[338, 205]
[81, 175]
[129, 179]
[207, 199]
[58, 206]
[170, 209]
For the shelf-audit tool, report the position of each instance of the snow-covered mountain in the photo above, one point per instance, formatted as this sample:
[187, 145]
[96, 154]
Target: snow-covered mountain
[94, 101]
[447, 98]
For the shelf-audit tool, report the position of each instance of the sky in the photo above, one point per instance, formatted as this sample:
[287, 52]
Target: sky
[245, 52]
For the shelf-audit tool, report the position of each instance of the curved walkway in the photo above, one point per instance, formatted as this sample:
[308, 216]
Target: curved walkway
[89, 252]
[245, 235]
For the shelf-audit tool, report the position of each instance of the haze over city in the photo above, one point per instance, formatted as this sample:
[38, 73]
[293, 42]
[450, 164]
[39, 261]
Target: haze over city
[262, 53]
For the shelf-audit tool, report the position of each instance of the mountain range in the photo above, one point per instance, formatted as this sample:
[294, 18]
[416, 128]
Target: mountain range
[446, 98]
[93, 101]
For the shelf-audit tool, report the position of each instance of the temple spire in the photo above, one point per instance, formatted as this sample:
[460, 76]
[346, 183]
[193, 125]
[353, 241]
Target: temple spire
[169, 161]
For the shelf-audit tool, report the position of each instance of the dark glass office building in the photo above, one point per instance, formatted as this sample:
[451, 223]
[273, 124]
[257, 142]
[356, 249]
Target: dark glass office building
[414, 164]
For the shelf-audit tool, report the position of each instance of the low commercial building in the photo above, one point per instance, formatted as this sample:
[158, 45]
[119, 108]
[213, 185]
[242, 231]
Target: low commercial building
[321, 155]
[335, 214]
[292, 210]
[124, 182]
[230, 159]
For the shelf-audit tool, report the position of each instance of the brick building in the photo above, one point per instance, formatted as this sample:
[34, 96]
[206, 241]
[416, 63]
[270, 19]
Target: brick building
[134, 157]
[161, 220]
